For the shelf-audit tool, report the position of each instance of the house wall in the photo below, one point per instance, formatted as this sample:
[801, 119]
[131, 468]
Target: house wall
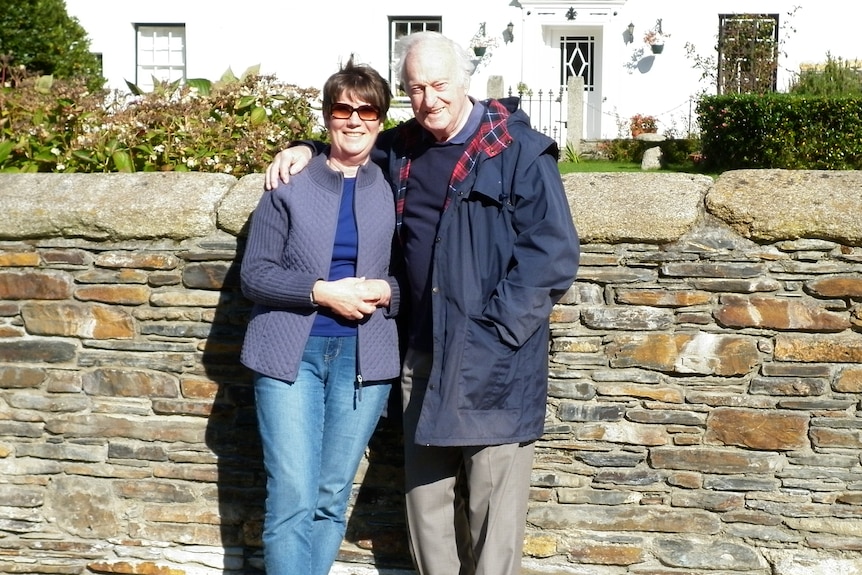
[303, 43]
[703, 414]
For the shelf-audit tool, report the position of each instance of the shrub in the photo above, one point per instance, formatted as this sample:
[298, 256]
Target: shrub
[834, 78]
[781, 131]
[620, 150]
[235, 127]
[674, 150]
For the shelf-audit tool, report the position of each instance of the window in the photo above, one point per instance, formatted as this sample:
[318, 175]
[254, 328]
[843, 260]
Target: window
[161, 54]
[747, 53]
[402, 26]
[578, 53]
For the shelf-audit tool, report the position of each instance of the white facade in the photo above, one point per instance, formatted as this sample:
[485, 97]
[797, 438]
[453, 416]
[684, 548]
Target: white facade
[302, 43]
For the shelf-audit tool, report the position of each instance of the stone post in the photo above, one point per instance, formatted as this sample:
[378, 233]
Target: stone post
[495, 86]
[575, 113]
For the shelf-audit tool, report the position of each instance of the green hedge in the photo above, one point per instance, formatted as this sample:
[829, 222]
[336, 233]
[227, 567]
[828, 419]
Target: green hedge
[781, 131]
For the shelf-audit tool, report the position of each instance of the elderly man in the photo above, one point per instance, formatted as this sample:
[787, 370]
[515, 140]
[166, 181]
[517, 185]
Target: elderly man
[490, 246]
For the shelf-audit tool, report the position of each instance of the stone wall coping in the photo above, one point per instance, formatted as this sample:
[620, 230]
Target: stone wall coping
[761, 205]
[111, 207]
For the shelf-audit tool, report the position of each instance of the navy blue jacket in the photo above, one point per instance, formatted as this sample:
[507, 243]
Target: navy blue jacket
[505, 252]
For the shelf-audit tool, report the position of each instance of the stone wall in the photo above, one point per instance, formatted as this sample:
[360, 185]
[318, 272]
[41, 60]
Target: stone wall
[704, 403]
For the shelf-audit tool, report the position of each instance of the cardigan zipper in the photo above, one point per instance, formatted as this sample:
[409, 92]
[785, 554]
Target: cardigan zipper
[359, 378]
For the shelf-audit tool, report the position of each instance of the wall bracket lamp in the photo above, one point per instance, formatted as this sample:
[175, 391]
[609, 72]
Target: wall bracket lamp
[508, 35]
[629, 34]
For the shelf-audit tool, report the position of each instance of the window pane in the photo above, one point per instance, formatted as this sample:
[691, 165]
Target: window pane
[400, 26]
[161, 54]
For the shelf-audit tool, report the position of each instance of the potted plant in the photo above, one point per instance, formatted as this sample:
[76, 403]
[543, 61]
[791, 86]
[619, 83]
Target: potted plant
[480, 43]
[655, 37]
[642, 124]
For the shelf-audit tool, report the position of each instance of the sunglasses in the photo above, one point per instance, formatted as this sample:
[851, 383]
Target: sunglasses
[366, 113]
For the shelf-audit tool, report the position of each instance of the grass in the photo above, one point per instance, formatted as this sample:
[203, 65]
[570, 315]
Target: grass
[586, 166]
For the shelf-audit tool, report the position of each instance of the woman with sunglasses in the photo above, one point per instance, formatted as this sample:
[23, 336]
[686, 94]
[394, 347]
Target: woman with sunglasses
[322, 340]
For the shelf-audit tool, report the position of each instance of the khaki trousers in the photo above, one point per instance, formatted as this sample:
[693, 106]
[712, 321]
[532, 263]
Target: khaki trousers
[466, 506]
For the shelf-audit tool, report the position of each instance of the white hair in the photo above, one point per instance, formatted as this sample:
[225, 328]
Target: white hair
[406, 44]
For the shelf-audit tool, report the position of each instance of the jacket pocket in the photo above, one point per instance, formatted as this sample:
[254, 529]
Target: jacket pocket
[487, 368]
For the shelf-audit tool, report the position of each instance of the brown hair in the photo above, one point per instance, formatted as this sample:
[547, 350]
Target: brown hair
[360, 81]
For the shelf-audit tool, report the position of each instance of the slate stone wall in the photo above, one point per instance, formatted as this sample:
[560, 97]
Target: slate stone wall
[704, 402]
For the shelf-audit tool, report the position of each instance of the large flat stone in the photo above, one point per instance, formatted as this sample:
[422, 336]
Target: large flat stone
[772, 205]
[111, 206]
[649, 208]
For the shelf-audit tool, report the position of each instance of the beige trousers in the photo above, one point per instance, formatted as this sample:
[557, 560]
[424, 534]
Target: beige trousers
[466, 506]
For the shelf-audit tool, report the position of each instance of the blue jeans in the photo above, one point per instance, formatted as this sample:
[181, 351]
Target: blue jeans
[314, 432]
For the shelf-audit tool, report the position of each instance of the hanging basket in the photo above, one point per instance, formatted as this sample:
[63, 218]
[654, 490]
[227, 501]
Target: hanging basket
[656, 48]
[479, 50]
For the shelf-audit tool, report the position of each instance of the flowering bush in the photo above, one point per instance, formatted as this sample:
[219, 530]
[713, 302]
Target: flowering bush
[480, 40]
[484, 42]
[654, 37]
[642, 124]
[234, 128]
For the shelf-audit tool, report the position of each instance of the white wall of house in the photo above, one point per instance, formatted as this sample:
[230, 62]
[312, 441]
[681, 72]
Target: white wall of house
[302, 43]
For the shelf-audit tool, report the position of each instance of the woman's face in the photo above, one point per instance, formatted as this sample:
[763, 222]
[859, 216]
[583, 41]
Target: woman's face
[352, 137]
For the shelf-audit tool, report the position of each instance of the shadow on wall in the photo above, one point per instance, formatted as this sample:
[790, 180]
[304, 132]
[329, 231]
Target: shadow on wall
[640, 61]
[376, 531]
[232, 427]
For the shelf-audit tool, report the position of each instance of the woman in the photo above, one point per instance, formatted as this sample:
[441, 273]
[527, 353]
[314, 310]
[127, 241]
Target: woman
[322, 339]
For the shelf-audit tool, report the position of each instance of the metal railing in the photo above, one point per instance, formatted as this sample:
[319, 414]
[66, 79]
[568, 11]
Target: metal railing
[547, 110]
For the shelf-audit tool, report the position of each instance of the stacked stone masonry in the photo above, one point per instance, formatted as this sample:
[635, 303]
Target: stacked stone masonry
[704, 409]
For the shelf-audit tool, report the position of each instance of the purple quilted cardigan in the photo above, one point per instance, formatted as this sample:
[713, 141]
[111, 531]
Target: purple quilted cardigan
[290, 247]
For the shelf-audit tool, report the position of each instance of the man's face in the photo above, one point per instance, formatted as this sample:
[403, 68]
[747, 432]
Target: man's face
[436, 90]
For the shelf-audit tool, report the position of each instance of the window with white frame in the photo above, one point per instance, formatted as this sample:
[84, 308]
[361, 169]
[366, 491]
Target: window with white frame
[402, 26]
[161, 53]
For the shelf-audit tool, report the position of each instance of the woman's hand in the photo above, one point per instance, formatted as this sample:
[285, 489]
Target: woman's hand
[352, 298]
[377, 292]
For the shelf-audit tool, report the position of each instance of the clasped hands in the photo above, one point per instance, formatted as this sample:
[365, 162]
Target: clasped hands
[352, 298]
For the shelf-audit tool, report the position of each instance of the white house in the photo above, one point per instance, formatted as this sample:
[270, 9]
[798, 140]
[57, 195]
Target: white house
[541, 43]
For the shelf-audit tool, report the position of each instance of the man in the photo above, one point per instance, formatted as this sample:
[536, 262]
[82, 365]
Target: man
[490, 246]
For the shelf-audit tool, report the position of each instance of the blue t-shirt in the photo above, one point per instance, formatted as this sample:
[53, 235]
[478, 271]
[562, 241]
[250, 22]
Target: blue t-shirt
[342, 265]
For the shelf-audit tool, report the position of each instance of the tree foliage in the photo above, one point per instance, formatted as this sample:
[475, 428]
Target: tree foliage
[41, 36]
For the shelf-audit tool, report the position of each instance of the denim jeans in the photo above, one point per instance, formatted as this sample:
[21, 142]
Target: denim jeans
[314, 433]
